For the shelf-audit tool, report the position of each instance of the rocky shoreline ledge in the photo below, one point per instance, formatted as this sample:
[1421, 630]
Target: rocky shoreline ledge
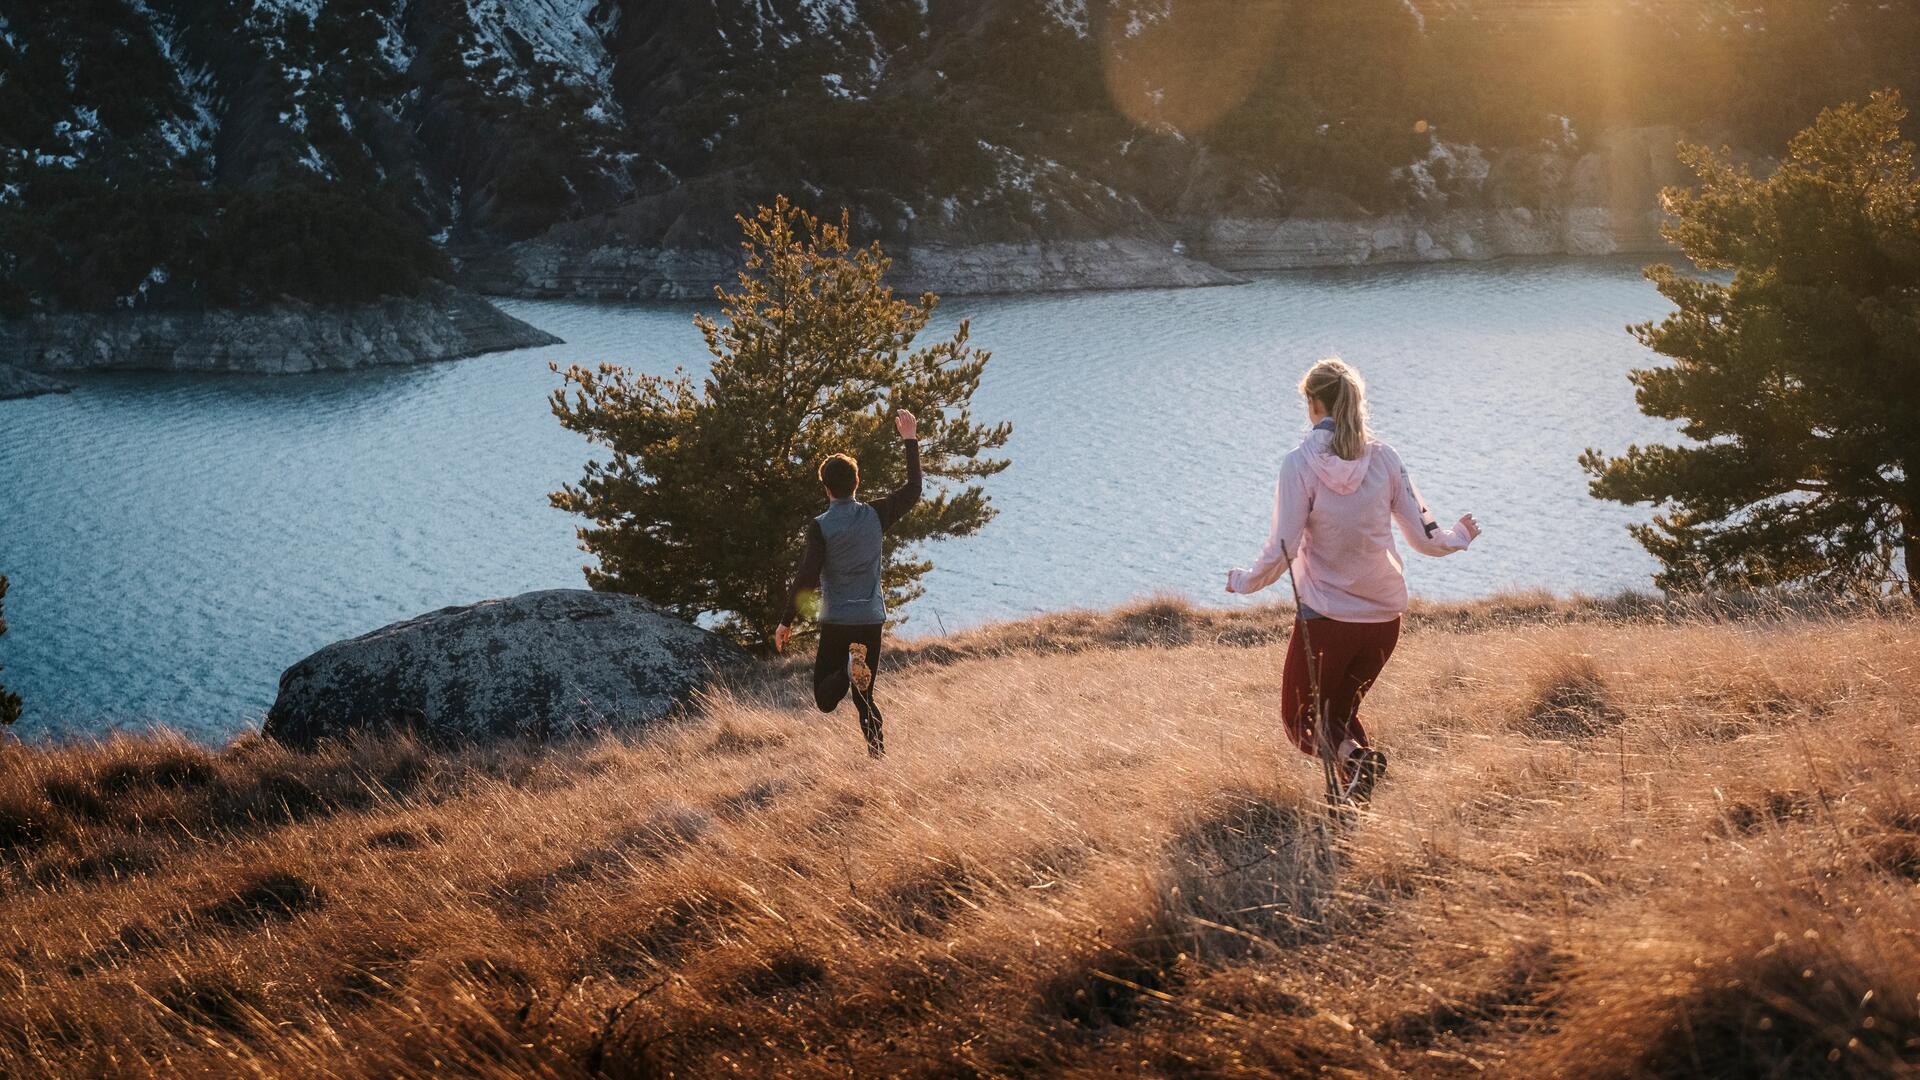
[15, 383]
[549, 269]
[1219, 252]
[1454, 236]
[443, 323]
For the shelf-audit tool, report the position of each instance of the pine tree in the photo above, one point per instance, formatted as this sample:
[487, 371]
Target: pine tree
[701, 501]
[1799, 381]
[9, 703]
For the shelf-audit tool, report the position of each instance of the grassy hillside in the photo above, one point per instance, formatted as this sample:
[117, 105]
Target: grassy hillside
[1618, 839]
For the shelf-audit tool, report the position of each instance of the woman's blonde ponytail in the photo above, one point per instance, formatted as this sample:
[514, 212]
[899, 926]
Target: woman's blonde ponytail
[1340, 390]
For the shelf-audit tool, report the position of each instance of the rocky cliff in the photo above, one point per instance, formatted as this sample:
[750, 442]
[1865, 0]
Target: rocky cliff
[288, 338]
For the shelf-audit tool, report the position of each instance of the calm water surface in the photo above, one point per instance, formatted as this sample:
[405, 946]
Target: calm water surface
[175, 542]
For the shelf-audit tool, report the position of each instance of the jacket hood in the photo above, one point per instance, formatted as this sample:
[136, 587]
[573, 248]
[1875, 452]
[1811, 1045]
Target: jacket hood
[1342, 477]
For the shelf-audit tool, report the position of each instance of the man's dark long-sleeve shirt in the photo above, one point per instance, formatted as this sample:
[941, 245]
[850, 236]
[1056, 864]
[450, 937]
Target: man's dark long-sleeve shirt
[890, 509]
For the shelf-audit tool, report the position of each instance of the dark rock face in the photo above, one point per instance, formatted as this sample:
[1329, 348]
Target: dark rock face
[539, 665]
[443, 323]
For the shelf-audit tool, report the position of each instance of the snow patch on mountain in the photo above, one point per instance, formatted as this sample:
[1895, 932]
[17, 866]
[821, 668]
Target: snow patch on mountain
[1024, 176]
[563, 37]
[393, 45]
[189, 134]
[275, 12]
[1446, 165]
[316, 161]
[1071, 14]
[761, 25]
[1145, 15]
[826, 16]
[159, 275]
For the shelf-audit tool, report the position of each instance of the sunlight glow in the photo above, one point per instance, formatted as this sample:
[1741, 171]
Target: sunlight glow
[1183, 68]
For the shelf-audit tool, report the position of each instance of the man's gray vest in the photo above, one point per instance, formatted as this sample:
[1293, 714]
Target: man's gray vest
[850, 573]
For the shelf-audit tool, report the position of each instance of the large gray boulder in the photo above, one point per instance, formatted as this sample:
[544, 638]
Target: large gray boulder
[538, 665]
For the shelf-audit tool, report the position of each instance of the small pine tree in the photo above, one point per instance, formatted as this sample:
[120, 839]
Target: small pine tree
[9, 703]
[701, 501]
[1799, 381]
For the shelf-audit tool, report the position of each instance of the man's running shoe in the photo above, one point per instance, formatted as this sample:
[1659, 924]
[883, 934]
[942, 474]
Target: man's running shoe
[1364, 769]
[858, 671]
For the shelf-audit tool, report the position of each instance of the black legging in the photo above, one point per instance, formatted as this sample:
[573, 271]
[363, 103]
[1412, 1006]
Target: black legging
[830, 681]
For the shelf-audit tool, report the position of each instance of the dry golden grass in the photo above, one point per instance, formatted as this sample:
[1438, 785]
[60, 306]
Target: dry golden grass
[1618, 839]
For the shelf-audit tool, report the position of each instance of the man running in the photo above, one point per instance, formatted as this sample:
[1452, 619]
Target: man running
[842, 559]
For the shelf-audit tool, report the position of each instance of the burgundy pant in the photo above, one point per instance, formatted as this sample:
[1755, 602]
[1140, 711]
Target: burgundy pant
[1350, 657]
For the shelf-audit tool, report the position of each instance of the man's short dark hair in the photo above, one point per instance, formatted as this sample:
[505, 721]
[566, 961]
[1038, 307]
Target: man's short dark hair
[841, 474]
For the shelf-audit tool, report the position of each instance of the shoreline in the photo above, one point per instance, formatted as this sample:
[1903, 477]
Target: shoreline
[1225, 251]
[18, 384]
[442, 323]
[454, 323]
[1241, 279]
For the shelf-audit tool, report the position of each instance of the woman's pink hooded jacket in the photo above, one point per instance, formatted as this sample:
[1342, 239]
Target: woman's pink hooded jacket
[1331, 516]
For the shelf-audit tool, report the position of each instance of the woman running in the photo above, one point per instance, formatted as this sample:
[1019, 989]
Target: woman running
[1336, 493]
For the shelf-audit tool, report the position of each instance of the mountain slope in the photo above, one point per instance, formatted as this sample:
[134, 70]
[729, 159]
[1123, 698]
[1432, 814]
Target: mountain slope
[230, 151]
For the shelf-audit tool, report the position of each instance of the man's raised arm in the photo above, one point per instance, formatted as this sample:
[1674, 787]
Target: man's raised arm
[894, 506]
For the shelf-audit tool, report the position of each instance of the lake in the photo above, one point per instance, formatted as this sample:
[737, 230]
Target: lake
[175, 542]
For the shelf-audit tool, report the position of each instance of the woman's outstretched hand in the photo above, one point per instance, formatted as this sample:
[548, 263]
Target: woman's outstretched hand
[907, 424]
[1469, 526]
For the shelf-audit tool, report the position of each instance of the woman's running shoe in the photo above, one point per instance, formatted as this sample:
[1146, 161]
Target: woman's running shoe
[1364, 768]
